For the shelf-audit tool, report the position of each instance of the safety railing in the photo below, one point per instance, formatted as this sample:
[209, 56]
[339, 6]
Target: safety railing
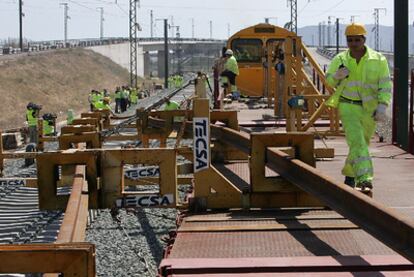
[312, 87]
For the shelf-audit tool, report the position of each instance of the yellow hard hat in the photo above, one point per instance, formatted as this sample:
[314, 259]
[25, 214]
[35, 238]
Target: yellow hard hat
[355, 29]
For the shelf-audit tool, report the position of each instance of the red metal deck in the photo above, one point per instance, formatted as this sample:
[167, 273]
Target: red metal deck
[292, 242]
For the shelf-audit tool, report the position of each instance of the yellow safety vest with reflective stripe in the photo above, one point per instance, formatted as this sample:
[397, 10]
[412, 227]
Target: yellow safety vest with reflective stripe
[368, 81]
[231, 65]
[31, 120]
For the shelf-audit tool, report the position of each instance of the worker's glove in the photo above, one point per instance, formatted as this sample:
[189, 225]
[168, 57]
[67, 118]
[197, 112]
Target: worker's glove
[341, 73]
[379, 114]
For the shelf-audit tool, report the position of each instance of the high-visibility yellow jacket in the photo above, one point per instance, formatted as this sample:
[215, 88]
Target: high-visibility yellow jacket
[134, 96]
[47, 128]
[96, 97]
[31, 120]
[102, 106]
[231, 65]
[171, 106]
[368, 81]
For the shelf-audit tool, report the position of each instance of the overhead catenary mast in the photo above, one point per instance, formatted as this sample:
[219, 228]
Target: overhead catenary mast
[133, 39]
[101, 25]
[65, 21]
[21, 14]
[293, 15]
[377, 27]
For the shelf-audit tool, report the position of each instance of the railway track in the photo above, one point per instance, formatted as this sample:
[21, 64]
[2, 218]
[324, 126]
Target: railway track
[22, 222]
[267, 218]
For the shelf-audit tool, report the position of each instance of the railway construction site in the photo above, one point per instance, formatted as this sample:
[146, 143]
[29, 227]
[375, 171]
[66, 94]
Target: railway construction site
[227, 182]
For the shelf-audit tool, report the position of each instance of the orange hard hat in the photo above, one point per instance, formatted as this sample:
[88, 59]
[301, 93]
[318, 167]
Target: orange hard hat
[355, 29]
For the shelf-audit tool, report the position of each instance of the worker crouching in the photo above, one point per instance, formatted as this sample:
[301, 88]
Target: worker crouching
[49, 124]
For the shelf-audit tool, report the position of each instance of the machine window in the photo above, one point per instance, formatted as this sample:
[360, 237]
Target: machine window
[247, 50]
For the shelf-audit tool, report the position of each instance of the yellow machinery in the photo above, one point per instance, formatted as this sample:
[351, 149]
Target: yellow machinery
[274, 63]
[250, 50]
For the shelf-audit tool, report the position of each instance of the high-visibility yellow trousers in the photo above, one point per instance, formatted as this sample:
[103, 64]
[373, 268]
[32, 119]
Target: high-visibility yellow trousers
[359, 127]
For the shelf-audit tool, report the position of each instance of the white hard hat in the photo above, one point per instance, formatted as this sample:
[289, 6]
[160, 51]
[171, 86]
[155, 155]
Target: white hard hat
[229, 52]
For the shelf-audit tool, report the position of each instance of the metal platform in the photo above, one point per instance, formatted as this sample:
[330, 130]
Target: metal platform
[393, 172]
[237, 243]
[322, 242]
[278, 233]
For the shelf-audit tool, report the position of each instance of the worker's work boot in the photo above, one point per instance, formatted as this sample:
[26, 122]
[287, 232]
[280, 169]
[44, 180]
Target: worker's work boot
[350, 181]
[365, 185]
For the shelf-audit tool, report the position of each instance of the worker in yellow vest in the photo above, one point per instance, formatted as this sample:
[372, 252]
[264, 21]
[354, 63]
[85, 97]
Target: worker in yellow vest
[363, 93]
[231, 71]
[103, 105]
[134, 96]
[32, 115]
[49, 122]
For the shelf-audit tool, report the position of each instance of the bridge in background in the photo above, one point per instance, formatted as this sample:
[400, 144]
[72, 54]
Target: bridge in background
[185, 54]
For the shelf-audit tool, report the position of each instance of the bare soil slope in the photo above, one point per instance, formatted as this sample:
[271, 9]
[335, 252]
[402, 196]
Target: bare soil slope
[57, 80]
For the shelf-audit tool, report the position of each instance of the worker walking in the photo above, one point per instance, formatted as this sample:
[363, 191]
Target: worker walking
[231, 71]
[363, 92]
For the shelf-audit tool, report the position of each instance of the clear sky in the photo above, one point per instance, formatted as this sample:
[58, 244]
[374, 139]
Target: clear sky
[44, 18]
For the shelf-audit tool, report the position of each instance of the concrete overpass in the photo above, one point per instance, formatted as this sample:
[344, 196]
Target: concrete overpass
[151, 54]
[150, 51]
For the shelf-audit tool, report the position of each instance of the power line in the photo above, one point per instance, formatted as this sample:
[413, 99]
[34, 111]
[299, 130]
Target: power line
[331, 8]
[304, 7]
[119, 6]
[82, 5]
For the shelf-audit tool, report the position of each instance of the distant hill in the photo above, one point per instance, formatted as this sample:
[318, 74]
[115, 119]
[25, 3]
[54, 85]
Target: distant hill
[58, 80]
[310, 36]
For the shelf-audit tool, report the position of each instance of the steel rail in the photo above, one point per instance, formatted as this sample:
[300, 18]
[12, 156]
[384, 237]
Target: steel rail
[385, 224]
[61, 256]
[148, 107]
[73, 228]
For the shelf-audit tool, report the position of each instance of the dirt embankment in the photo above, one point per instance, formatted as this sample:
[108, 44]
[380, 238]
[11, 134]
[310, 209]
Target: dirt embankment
[58, 80]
